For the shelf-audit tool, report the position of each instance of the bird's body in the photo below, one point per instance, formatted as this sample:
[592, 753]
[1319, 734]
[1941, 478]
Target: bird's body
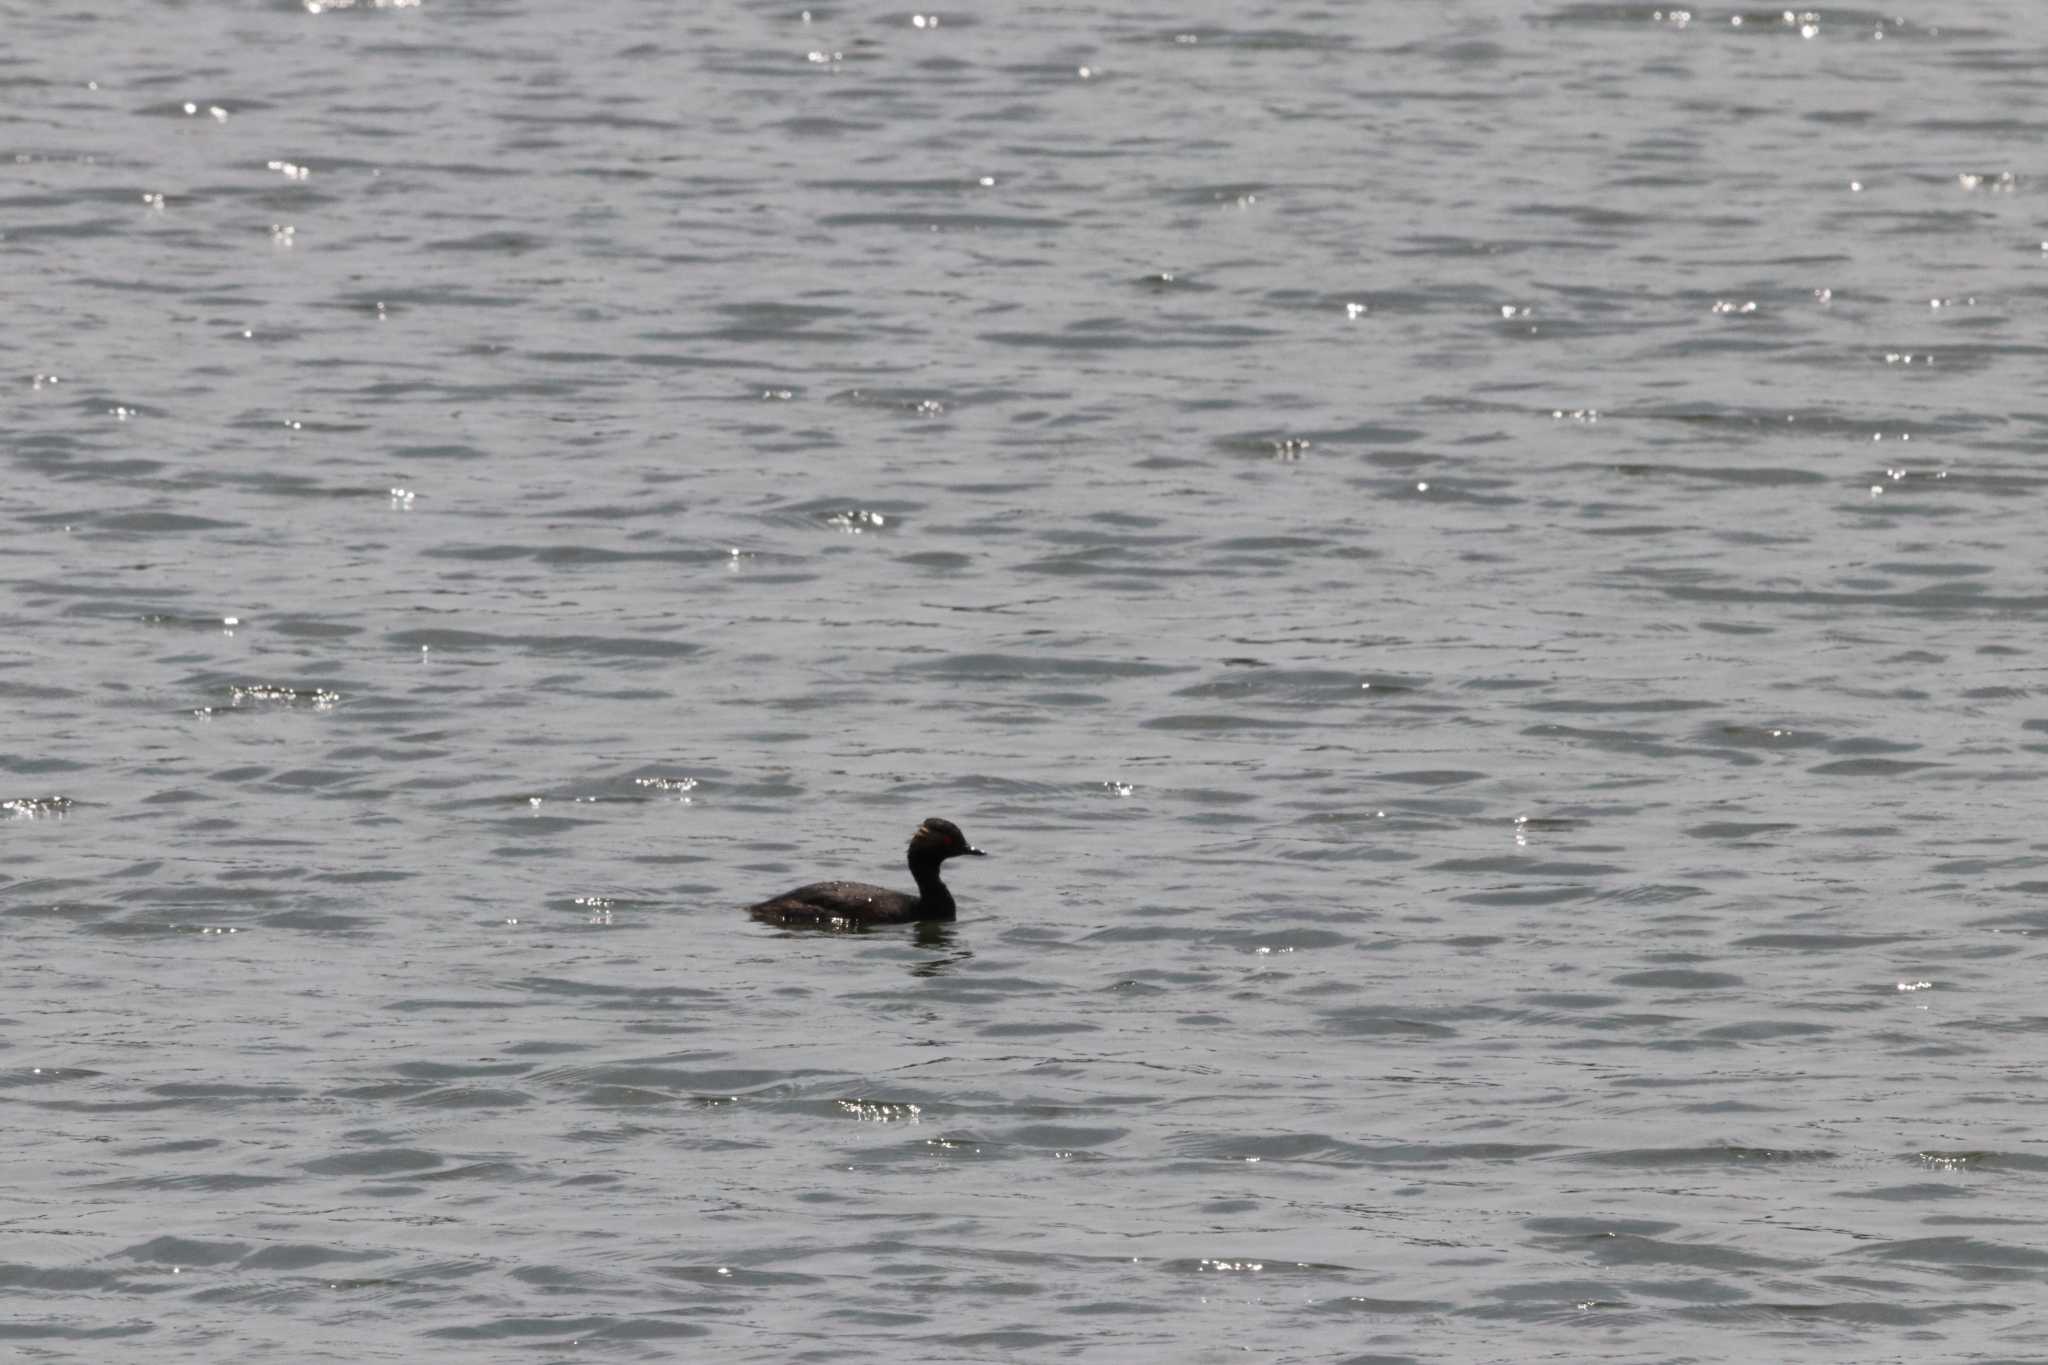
[857, 905]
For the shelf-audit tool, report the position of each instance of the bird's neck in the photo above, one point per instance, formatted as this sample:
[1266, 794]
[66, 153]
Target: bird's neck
[938, 901]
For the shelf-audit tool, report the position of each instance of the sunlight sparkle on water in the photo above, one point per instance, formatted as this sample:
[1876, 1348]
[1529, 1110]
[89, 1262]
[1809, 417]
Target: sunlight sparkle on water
[35, 807]
[677, 786]
[882, 1111]
[320, 698]
[2005, 182]
[854, 521]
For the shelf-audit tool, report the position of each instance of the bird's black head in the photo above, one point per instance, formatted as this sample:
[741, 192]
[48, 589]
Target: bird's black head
[941, 839]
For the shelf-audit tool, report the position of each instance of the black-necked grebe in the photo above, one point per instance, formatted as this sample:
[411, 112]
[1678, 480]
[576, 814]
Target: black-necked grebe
[852, 905]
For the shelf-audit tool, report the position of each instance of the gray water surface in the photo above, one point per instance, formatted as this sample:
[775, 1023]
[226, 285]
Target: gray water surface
[1478, 567]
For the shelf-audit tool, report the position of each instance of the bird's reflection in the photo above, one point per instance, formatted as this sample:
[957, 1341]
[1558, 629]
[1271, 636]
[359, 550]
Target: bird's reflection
[941, 939]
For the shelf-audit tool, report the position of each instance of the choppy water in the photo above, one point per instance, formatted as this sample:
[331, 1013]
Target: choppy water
[1477, 566]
